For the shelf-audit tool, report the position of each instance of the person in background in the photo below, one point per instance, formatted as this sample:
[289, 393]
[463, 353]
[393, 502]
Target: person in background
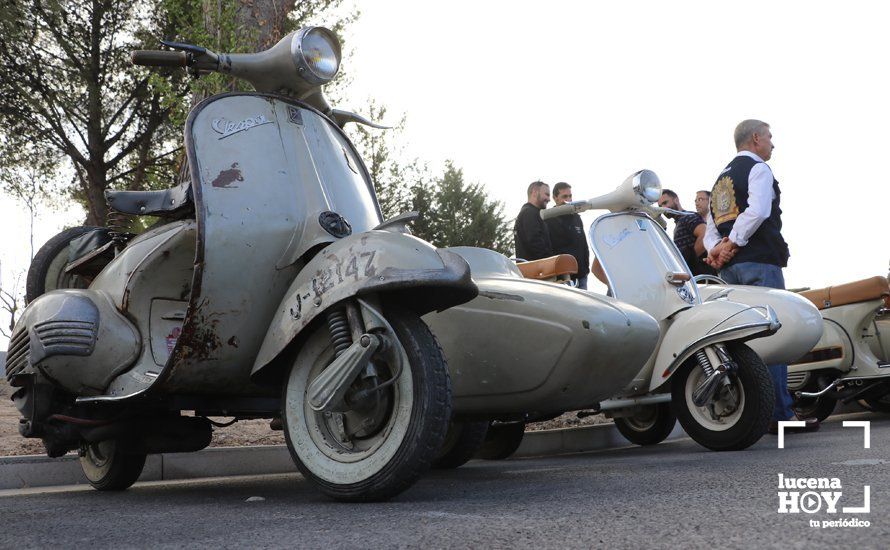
[530, 233]
[567, 235]
[689, 233]
[703, 203]
[744, 235]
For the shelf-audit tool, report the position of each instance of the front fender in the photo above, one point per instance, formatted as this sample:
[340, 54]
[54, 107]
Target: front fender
[420, 277]
[705, 324]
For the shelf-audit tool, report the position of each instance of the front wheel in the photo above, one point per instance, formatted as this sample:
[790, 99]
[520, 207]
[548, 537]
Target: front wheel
[109, 469]
[649, 425]
[739, 413]
[384, 442]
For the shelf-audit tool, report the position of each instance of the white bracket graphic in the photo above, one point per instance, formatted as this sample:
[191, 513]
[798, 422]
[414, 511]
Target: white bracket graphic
[789, 424]
[866, 501]
[866, 432]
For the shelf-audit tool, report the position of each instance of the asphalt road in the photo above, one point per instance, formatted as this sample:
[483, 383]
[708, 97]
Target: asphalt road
[673, 495]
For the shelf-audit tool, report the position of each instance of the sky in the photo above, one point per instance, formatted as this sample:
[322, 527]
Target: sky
[590, 92]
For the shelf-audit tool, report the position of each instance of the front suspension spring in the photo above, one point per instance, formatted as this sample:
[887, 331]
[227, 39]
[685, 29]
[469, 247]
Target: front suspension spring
[704, 362]
[338, 324]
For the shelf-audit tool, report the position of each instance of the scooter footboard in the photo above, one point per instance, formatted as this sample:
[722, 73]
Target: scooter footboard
[707, 324]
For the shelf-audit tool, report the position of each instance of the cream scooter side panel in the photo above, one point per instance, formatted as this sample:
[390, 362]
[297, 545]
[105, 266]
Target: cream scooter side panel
[880, 343]
[705, 324]
[834, 343]
[854, 321]
[801, 321]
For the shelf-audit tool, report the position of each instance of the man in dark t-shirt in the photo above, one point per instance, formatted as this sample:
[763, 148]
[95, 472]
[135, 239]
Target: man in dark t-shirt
[689, 233]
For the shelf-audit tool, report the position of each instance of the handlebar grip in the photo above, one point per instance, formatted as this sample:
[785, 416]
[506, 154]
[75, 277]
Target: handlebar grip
[159, 58]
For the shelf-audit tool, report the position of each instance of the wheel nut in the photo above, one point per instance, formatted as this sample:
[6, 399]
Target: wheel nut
[365, 341]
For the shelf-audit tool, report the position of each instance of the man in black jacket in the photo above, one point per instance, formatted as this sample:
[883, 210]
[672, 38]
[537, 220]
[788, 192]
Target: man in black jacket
[567, 234]
[530, 231]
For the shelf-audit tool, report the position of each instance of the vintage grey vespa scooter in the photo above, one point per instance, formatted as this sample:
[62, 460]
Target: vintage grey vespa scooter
[701, 370]
[272, 289]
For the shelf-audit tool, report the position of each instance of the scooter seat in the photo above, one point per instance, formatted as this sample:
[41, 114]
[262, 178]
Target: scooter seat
[873, 288]
[164, 202]
[549, 268]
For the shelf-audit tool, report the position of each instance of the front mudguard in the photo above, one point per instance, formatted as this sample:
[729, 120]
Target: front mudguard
[706, 324]
[405, 268]
[801, 319]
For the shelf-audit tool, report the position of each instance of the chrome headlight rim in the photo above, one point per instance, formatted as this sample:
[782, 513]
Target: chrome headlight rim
[304, 67]
[647, 185]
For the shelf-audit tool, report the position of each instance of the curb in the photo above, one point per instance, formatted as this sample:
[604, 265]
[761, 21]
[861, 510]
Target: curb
[22, 472]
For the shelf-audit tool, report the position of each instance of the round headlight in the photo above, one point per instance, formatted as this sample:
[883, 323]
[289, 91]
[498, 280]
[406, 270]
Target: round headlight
[316, 52]
[647, 184]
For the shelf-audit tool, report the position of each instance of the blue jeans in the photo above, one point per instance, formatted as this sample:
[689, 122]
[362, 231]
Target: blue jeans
[582, 282]
[768, 275]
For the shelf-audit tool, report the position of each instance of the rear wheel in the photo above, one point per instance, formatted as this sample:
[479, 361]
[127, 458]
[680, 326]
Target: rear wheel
[109, 469]
[739, 413]
[47, 270]
[461, 443]
[386, 441]
[502, 440]
[649, 425]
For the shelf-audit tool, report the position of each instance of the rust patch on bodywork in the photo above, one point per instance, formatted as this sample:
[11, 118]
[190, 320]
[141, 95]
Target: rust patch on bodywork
[227, 177]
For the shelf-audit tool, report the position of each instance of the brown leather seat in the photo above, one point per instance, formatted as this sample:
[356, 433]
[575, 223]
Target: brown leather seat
[548, 268]
[872, 288]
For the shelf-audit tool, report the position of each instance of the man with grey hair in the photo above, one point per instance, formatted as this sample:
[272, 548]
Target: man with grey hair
[744, 233]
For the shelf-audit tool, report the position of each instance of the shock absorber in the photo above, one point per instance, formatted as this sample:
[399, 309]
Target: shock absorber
[118, 224]
[704, 362]
[338, 324]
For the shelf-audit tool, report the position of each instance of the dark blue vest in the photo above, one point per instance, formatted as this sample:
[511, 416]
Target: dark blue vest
[729, 198]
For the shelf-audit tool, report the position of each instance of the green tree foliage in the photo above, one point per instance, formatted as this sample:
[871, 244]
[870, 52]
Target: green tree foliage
[456, 213]
[452, 212]
[67, 95]
[70, 101]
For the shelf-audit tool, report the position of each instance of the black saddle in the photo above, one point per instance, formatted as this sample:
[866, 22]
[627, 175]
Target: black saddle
[165, 202]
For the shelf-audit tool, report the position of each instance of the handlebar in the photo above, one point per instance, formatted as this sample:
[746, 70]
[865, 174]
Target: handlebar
[159, 58]
[575, 207]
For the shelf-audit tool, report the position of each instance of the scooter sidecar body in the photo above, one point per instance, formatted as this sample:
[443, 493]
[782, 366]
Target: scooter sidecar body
[529, 346]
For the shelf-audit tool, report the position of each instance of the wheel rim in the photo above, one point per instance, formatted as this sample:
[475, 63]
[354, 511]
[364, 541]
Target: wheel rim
[643, 419]
[351, 446]
[56, 277]
[728, 403]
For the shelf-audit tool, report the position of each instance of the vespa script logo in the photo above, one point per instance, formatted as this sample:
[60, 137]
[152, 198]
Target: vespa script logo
[228, 127]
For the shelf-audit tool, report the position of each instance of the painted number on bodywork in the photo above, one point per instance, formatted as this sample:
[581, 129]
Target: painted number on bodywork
[353, 267]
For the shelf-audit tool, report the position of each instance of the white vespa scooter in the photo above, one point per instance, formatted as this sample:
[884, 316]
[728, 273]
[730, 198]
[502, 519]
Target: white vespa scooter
[851, 361]
[702, 371]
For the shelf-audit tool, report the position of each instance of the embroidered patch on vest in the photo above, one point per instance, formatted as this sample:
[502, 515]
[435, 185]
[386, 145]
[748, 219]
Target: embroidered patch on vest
[723, 201]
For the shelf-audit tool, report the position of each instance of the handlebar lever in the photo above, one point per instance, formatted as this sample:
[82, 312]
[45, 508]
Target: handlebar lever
[198, 50]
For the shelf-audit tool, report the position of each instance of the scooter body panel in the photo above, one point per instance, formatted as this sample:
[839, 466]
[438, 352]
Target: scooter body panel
[847, 343]
[639, 259]
[880, 342]
[801, 321]
[531, 346]
[372, 262]
[709, 323]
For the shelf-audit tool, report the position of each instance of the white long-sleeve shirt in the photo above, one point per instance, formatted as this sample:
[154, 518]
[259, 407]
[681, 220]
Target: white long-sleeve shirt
[760, 204]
